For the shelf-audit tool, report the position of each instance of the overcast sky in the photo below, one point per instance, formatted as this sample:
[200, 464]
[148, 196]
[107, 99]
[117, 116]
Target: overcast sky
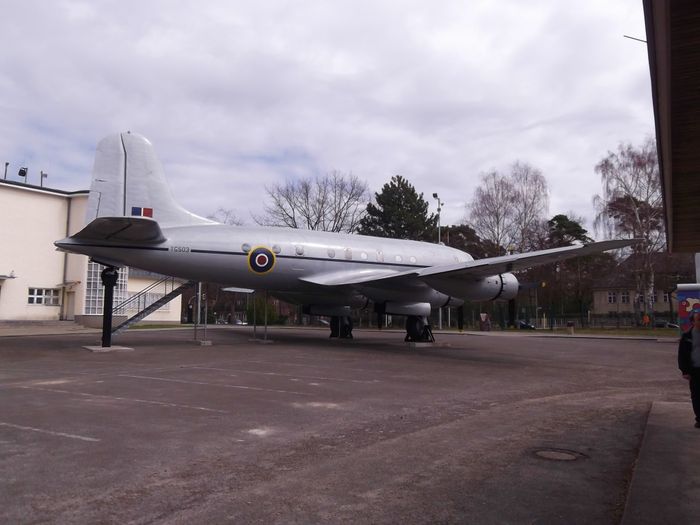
[236, 95]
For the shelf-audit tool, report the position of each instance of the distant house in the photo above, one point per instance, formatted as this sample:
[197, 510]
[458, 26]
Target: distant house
[615, 295]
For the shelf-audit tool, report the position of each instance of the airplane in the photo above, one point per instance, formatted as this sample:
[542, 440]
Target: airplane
[133, 220]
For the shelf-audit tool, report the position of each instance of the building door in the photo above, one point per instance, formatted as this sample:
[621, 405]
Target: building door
[69, 309]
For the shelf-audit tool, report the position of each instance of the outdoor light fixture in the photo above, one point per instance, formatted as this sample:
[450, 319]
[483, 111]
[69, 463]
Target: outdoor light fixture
[439, 209]
[43, 176]
[23, 173]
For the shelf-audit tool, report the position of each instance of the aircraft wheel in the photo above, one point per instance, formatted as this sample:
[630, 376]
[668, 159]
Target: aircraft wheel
[335, 326]
[414, 328]
[346, 328]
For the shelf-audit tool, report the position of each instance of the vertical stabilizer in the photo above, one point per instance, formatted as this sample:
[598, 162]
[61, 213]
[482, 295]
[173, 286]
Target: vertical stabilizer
[128, 180]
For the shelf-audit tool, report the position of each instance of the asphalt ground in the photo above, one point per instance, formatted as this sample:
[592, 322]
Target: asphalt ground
[475, 429]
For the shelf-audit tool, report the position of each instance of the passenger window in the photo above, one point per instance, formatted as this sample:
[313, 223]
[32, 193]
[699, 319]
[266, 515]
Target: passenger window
[331, 253]
[245, 247]
[380, 256]
[398, 258]
[276, 248]
[363, 256]
[299, 249]
[348, 253]
[412, 259]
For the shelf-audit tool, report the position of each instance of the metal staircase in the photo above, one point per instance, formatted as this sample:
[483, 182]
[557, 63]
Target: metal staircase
[140, 301]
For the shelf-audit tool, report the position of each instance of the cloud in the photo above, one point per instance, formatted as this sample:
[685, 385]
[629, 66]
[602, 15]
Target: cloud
[239, 95]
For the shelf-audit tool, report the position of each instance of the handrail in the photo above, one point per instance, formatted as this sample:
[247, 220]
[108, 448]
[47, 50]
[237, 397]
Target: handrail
[147, 310]
[137, 297]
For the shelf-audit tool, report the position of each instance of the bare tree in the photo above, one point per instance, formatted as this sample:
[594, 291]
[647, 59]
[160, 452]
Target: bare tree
[225, 216]
[491, 210]
[631, 206]
[335, 202]
[509, 210]
[530, 205]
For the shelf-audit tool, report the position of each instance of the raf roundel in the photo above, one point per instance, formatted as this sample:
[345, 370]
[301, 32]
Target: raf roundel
[261, 260]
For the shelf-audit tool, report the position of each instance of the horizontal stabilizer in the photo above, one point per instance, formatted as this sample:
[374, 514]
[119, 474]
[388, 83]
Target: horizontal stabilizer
[121, 229]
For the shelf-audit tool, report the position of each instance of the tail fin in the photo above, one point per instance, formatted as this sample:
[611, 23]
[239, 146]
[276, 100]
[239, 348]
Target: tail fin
[128, 180]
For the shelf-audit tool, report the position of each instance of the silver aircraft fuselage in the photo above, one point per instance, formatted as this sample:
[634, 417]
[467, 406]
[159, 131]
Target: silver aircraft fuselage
[221, 253]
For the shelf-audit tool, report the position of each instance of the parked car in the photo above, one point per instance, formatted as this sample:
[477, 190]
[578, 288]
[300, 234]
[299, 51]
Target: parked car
[524, 325]
[664, 324]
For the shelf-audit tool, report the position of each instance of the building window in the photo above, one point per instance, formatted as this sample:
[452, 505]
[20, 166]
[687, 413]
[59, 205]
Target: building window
[612, 297]
[625, 297]
[666, 297]
[94, 291]
[45, 296]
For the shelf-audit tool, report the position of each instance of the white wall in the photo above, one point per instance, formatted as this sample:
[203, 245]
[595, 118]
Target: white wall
[31, 221]
[170, 313]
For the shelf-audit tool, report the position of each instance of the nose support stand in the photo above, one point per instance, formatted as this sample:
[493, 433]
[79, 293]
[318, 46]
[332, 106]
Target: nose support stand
[109, 276]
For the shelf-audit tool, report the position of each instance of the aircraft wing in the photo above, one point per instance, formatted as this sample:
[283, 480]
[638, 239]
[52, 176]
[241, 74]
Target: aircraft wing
[521, 261]
[477, 269]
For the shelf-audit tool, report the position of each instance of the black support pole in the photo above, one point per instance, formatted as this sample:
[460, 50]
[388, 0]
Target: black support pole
[109, 276]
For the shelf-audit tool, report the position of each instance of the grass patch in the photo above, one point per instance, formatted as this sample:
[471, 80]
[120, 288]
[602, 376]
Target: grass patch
[632, 332]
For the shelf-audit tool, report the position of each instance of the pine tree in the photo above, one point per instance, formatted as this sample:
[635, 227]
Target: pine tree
[400, 213]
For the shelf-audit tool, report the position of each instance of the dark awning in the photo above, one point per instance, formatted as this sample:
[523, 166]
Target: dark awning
[673, 43]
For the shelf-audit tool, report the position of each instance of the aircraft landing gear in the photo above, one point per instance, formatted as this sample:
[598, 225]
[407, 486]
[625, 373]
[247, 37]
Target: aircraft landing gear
[341, 327]
[418, 330]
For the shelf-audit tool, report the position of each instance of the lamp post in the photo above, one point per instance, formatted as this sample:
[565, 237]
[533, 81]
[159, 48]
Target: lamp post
[43, 176]
[439, 209]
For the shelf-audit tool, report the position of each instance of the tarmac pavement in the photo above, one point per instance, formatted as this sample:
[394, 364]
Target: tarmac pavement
[474, 429]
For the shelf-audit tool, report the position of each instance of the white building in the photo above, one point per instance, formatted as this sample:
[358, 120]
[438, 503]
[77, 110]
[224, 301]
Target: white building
[37, 282]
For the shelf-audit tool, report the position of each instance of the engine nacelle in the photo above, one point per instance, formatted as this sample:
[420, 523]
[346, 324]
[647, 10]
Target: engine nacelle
[503, 286]
[510, 287]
